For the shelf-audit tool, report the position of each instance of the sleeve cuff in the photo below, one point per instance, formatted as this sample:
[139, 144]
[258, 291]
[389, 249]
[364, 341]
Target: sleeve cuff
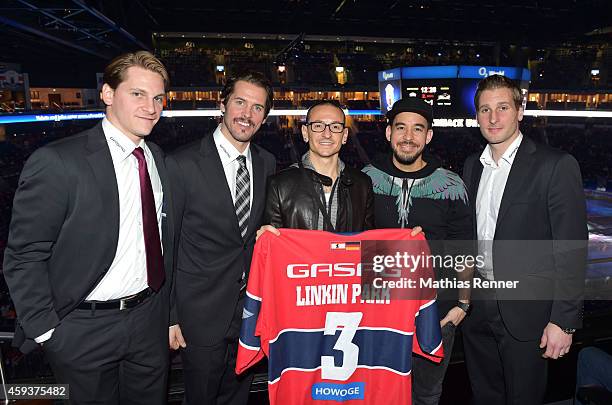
[45, 336]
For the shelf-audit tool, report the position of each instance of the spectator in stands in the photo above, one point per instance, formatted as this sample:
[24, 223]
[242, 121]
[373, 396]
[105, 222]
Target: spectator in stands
[411, 189]
[219, 185]
[522, 192]
[320, 192]
[594, 371]
[84, 261]
[602, 179]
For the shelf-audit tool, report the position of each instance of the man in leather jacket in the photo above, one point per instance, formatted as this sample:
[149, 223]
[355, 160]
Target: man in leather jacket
[321, 192]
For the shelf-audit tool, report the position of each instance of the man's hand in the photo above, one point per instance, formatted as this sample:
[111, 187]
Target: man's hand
[455, 315]
[268, 228]
[417, 230]
[556, 342]
[176, 337]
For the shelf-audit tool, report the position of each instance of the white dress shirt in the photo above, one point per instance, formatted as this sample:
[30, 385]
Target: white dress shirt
[229, 160]
[490, 192]
[127, 274]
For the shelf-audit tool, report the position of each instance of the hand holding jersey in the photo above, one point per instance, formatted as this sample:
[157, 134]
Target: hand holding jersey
[306, 306]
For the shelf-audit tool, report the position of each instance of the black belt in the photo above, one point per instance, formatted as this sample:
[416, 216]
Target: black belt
[120, 303]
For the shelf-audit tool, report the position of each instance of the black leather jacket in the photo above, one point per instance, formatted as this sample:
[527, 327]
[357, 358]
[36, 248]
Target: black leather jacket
[290, 200]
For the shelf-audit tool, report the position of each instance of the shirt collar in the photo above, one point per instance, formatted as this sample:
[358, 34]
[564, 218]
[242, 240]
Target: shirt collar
[227, 151]
[121, 147]
[308, 163]
[486, 157]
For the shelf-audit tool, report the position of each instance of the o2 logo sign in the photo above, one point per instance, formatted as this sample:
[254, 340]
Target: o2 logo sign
[484, 72]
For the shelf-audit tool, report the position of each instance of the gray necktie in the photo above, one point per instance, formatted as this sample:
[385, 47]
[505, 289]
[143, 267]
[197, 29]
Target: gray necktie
[243, 192]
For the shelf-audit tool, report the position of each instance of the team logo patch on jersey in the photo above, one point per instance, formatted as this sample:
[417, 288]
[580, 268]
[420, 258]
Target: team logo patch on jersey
[338, 392]
[345, 246]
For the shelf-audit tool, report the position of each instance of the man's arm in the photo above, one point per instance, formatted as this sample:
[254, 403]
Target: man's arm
[567, 213]
[39, 211]
[272, 211]
[177, 188]
[568, 222]
[459, 244]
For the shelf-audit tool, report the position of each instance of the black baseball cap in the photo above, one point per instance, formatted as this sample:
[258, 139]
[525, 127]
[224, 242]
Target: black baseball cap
[413, 105]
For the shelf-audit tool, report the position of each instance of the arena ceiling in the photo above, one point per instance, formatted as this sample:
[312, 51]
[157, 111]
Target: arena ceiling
[459, 19]
[55, 33]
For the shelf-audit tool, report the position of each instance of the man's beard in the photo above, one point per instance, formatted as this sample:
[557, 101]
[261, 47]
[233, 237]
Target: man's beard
[404, 158]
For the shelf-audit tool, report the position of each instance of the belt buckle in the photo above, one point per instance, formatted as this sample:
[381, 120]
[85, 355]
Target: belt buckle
[122, 304]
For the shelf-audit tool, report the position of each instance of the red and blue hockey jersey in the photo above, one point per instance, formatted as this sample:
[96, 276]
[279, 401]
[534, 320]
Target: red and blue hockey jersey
[326, 335]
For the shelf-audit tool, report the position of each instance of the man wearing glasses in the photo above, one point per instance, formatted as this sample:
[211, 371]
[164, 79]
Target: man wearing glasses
[321, 192]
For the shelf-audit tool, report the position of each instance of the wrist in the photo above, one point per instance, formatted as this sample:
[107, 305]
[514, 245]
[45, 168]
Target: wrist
[465, 306]
[567, 331]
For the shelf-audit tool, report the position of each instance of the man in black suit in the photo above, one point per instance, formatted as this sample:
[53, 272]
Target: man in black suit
[84, 260]
[531, 224]
[219, 188]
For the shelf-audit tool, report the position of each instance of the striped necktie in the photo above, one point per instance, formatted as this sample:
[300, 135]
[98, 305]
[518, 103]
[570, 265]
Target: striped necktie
[243, 195]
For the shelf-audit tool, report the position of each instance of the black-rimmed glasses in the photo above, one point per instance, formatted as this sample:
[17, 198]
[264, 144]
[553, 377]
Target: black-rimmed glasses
[318, 126]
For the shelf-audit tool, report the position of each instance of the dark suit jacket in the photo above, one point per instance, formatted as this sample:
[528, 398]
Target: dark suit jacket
[211, 255]
[64, 229]
[540, 239]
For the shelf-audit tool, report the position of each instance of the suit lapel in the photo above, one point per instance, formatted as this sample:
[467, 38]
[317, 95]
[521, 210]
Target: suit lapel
[167, 218]
[99, 158]
[519, 173]
[214, 178]
[259, 184]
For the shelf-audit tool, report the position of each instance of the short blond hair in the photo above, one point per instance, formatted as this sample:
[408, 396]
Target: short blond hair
[499, 82]
[114, 73]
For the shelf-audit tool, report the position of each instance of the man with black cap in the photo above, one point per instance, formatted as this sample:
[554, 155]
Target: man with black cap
[412, 189]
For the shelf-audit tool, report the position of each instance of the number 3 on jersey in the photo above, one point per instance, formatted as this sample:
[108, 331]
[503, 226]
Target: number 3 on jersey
[347, 322]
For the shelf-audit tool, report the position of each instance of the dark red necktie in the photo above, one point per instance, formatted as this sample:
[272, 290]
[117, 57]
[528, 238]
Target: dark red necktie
[155, 263]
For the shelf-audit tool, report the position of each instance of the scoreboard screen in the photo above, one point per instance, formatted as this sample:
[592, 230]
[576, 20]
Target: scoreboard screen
[449, 89]
[439, 93]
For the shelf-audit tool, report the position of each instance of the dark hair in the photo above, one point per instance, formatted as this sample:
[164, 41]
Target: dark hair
[255, 78]
[114, 73]
[499, 82]
[319, 103]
